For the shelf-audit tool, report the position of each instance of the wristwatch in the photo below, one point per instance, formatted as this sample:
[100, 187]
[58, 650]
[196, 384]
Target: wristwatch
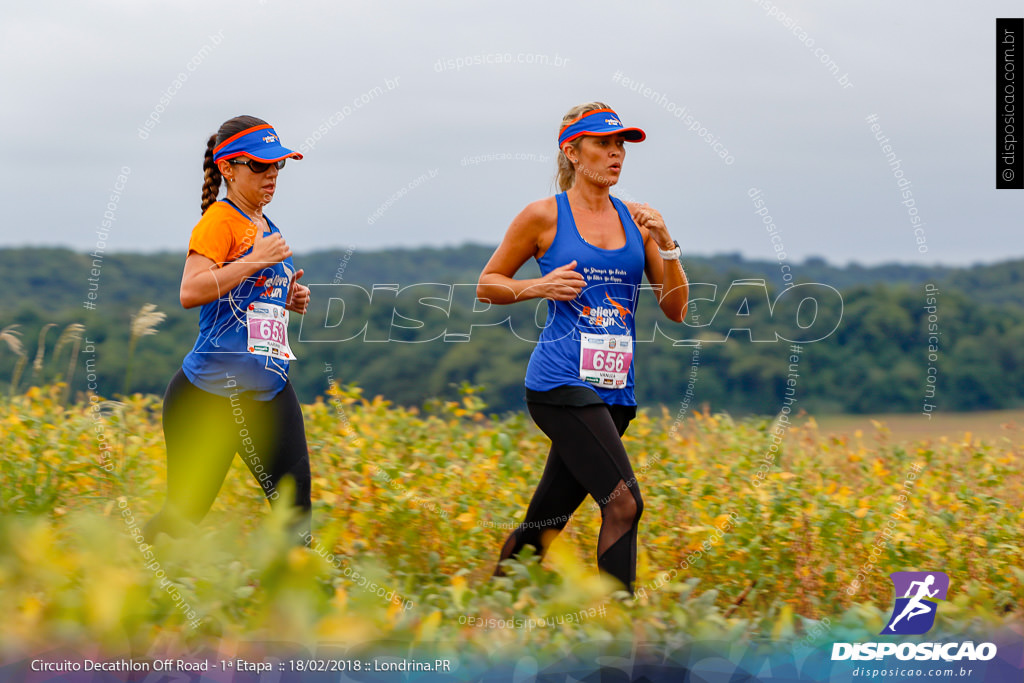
[672, 254]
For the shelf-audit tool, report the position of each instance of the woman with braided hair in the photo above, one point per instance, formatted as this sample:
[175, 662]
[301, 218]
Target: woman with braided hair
[232, 393]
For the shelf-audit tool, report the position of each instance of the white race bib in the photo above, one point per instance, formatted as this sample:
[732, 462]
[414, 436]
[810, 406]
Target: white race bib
[267, 325]
[605, 359]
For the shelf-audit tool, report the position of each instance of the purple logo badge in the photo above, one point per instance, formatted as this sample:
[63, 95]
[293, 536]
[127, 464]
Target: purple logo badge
[916, 596]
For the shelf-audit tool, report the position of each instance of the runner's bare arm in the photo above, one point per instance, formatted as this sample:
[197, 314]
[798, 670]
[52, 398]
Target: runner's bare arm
[666, 276]
[530, 234]
[202, 281]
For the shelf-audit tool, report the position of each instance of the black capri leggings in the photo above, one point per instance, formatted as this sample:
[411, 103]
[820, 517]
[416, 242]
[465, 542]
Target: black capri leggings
[586, 457]
[203, 431]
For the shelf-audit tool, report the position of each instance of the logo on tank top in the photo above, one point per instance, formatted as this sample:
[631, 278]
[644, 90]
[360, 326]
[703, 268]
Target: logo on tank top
[273, 287]
[270, 285]
[605, 316]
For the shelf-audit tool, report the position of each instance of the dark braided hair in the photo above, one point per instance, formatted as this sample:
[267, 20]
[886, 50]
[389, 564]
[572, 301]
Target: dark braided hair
[211, 174]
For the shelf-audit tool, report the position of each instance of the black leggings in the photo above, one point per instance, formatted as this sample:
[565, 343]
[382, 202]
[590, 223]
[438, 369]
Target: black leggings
[203, 431]
[587, 457]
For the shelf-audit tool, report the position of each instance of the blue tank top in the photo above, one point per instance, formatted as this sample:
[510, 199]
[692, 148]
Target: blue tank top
[604, 307]
[220, 361]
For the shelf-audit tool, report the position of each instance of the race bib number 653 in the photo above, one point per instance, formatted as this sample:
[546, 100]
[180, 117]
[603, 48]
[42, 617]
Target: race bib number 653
[267, 325]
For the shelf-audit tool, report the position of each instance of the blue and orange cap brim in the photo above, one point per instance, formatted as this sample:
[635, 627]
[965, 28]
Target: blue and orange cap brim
[597, 128]
[288, 154]
[236, 146]
[632, 134]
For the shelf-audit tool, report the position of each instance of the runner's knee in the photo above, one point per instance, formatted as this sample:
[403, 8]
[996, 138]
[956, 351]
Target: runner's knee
[623, 506]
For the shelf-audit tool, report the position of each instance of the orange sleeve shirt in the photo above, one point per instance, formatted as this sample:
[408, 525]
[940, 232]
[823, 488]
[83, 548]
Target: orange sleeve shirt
[222, 234]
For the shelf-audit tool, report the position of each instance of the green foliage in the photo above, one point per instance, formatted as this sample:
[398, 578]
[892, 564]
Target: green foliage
[418, 504]
[876, 361]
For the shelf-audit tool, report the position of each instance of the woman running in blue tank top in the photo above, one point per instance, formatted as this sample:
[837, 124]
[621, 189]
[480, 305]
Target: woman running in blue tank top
[232, 393]
[593, 251]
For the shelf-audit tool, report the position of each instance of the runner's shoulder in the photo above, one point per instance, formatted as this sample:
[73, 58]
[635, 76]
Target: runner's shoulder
[219, 210]
[539, 215]
[633, 207]
[218, 216]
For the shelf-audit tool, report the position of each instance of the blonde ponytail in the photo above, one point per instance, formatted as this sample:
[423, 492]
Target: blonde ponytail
[565, 176]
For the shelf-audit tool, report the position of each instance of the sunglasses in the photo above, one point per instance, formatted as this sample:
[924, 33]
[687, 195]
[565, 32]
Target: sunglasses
[257, 166]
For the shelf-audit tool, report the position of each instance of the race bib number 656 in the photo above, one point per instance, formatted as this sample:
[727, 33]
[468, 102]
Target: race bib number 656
[605, 359]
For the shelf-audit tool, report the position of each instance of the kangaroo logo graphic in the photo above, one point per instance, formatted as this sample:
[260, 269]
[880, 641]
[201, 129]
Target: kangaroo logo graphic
[916, 595]
[623, 311]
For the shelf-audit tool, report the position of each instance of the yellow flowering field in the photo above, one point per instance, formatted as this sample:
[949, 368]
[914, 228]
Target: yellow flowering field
[738, 540]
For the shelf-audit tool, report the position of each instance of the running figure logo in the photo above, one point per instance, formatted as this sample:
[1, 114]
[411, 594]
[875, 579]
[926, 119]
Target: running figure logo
[914, 612]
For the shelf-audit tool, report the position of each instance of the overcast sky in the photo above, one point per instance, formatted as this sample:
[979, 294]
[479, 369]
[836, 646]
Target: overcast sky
[81, 78]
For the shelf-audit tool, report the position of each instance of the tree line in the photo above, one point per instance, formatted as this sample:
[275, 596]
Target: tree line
[403, 324]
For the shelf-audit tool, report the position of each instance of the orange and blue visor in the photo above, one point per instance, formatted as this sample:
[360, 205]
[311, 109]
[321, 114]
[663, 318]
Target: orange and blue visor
[259, 142]
[598, 122]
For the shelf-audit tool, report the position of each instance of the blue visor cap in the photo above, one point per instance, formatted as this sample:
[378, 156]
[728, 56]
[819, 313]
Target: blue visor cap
[598, 122]
[259, 142]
